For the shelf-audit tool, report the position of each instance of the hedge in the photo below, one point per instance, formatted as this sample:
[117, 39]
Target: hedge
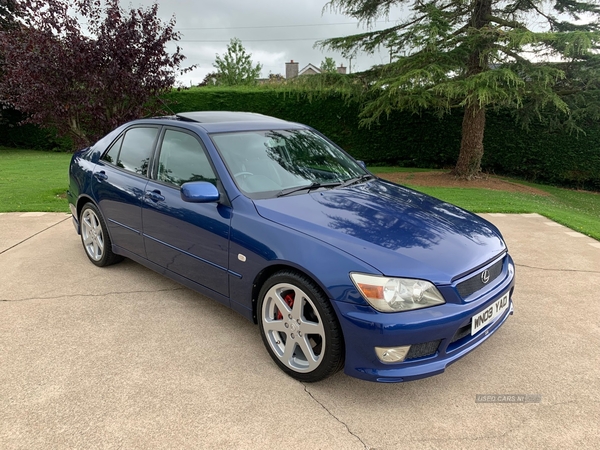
[28, 136]
[403, 139]
[535, 154]
[416, 142]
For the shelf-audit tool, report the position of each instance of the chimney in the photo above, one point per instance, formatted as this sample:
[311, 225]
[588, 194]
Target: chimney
[341, 69]
[291, 69]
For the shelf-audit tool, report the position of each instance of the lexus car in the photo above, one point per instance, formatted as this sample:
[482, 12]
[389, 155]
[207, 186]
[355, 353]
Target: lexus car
[338, 268]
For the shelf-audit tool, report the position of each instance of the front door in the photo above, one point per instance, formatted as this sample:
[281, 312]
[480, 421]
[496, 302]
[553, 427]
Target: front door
[190, 239]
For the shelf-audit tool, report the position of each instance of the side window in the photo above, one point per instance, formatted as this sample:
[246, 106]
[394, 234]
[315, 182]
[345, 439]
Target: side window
[112, 156]
[137, 149]
[182, 159]
[132, 151]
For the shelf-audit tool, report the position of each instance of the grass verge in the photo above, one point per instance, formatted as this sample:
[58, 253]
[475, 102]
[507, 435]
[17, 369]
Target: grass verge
[37, 181]
[33, 180]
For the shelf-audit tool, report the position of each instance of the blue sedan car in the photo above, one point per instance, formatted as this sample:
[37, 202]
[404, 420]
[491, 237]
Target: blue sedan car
[338, 268]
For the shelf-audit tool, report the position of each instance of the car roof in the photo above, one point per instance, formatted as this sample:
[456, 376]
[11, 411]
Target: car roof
[224, 116]
[231, 121]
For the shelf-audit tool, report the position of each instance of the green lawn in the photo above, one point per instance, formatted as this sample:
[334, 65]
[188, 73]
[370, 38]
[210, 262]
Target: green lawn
[33, 180]
[37, 181]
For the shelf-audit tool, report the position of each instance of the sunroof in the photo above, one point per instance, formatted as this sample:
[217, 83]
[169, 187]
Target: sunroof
[223, 116]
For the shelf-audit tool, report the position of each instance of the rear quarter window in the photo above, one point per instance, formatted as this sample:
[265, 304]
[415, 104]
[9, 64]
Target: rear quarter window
[132, 151]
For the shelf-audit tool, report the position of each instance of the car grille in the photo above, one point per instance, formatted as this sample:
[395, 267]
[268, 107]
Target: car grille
[473, 284]
[424, 349]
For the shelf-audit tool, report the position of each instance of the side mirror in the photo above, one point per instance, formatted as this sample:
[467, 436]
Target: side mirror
[199, 192]
[362, 164]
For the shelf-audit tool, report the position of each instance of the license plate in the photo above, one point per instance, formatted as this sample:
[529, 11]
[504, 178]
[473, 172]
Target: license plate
[487, 316]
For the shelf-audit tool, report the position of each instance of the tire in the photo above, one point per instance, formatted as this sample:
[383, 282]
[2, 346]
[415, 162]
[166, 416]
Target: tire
[303, 337]
[94, 237]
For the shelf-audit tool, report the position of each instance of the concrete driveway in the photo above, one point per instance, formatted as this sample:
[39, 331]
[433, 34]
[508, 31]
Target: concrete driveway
[124, 358]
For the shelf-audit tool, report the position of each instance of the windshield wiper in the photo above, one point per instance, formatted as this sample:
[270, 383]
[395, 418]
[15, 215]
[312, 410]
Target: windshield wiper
[308, 187]
[356, 180]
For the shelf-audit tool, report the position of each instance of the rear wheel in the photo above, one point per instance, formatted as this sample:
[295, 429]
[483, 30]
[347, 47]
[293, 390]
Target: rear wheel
[299, 327]
[94, 237]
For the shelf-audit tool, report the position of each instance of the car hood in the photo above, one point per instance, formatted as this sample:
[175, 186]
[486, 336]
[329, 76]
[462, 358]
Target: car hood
[398, 231]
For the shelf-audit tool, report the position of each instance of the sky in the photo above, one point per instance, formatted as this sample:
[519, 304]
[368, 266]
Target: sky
[274, 32]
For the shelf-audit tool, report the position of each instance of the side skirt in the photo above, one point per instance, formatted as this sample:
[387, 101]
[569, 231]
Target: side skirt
[172, 275]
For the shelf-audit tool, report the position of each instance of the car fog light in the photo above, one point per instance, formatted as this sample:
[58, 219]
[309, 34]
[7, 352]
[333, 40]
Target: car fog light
[511, 269]
[390, 355]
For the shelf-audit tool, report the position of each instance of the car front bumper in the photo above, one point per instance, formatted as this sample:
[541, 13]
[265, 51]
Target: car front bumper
[440, 335]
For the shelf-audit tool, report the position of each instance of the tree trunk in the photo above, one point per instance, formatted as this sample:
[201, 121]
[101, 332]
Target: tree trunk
[473, 126]
[471, 146]
[79, 135]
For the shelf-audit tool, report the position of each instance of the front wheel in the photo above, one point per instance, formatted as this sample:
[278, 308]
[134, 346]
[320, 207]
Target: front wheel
[299, 327]
[94, 237]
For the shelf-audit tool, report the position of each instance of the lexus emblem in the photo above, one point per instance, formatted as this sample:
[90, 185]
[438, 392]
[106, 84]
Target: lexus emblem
[485, 276]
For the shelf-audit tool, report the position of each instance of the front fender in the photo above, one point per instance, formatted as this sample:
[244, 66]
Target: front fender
[264, 244]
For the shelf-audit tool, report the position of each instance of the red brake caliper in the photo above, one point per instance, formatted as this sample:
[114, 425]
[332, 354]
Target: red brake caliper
[289, 299]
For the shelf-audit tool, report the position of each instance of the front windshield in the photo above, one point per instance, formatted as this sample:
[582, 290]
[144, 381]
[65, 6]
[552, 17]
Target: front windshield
[266, 164]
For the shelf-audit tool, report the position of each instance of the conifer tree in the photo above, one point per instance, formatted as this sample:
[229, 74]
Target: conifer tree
[475, 55]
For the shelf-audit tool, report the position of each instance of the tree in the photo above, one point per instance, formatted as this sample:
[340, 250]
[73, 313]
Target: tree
[472, 54]
[210, 79]
[7, 10]
[7, 22]
[276, 78]
[328, 65]
[83, 84]
[236, 67]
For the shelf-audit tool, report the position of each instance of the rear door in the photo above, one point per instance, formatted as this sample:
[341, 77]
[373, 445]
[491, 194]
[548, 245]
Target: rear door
[119, 182]
[190, 239]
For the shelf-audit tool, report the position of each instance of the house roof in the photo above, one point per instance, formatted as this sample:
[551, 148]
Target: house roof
[309, 67]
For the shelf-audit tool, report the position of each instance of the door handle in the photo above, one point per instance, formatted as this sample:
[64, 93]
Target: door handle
[101, 175]
[155, 196]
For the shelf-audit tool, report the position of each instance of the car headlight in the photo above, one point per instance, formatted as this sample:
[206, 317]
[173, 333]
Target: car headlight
[387, 294]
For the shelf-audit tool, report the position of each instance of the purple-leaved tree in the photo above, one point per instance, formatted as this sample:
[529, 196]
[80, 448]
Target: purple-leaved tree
[84, 67]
